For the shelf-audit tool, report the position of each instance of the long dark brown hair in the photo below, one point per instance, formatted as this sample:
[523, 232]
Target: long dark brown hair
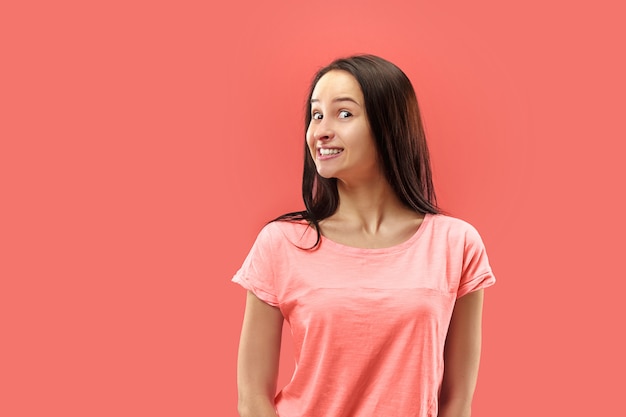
[396, 123]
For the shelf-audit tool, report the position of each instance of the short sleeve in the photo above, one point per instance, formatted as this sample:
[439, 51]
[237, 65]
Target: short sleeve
[257, 273]
[476, 273]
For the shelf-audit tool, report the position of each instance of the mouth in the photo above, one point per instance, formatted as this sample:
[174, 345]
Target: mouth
[329, 151]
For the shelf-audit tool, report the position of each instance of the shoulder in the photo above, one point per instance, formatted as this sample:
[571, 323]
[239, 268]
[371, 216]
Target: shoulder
[444, 222]
[291, 233]
[454, 229]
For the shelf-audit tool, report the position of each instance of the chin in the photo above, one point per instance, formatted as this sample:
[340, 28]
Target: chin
[326, 175]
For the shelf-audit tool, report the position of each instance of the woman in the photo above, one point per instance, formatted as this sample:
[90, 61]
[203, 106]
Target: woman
[379, 288]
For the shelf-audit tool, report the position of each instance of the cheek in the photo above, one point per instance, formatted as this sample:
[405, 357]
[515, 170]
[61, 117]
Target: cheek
[369, 140]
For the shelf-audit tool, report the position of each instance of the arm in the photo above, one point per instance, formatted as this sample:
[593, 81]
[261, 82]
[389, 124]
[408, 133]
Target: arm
[257, 362]
[462, 356]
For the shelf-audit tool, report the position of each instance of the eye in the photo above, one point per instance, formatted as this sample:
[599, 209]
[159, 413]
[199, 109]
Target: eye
[344, 114]
[316, 115]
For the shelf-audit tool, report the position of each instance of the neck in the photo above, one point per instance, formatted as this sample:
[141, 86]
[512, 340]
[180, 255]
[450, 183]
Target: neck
[368, 205]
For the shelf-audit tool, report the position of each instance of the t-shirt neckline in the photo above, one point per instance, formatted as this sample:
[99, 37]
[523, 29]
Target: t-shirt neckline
[331, 244]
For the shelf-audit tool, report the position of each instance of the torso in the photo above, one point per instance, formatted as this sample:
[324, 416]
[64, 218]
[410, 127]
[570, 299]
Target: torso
[368, 325]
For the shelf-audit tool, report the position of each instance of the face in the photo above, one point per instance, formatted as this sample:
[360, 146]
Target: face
[339, 136]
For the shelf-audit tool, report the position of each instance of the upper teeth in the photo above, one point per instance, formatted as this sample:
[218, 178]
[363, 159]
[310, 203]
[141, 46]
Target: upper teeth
[329, 151]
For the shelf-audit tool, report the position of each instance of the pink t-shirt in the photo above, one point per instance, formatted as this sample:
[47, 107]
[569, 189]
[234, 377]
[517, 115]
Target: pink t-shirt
[368, 325]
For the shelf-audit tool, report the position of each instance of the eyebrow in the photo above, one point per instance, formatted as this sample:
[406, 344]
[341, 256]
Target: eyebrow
[338, 99]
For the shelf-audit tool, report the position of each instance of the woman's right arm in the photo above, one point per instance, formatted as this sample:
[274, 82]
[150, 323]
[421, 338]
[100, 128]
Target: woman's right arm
[257, 362]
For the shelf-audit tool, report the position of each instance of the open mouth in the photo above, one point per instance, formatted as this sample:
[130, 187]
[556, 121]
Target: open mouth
[329, 151]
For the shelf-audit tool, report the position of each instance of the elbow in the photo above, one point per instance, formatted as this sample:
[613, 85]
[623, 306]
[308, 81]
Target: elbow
[243, 410]
[455, 407]
[255, 406]
[244, 407]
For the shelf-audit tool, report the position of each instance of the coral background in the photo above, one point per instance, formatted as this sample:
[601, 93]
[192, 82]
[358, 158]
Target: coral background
[144, 144]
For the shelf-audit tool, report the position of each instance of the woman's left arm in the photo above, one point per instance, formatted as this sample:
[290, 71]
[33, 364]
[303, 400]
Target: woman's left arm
[462, 356]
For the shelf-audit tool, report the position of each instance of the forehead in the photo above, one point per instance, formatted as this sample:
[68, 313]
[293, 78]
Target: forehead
[335, 84]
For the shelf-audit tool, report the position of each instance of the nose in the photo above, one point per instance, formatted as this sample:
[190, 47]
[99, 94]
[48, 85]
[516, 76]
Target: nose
[323, 130]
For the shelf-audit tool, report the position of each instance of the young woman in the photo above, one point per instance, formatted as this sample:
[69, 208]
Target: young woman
[380, 290]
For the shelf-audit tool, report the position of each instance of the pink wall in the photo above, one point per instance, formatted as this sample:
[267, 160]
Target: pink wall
[144, 144]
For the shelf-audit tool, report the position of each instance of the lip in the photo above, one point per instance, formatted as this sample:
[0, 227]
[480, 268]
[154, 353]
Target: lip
[331, 156]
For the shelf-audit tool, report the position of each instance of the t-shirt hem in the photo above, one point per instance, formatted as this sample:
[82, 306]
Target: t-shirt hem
[481, 281]
[262, 295]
